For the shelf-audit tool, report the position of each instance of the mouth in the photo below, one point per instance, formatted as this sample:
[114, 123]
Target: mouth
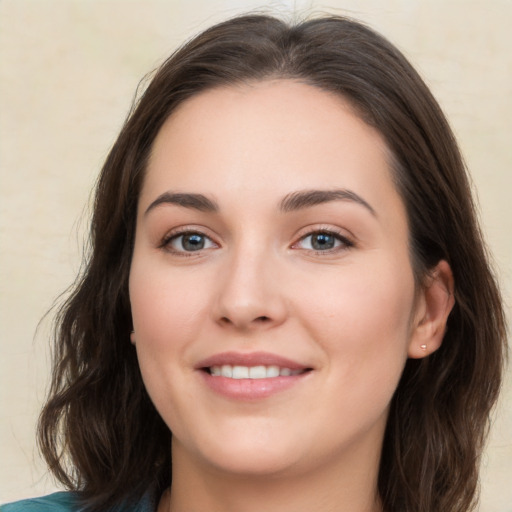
[251, 376]
[252, 372]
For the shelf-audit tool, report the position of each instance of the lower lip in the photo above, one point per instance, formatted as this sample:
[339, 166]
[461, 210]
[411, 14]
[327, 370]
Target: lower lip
[251, 389]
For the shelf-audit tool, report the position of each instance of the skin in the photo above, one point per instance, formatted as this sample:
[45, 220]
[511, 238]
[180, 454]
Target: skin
[352, 314]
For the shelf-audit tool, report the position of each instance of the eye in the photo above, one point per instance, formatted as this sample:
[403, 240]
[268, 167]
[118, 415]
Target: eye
[189, 241]
[323, 241]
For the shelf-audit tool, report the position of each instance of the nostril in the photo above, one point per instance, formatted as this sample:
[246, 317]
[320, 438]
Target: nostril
[245, 323]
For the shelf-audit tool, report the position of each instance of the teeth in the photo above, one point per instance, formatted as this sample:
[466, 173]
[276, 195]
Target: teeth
[216, 370]
[257, 372]
[240, 372]
[273, 371]
[251, 372]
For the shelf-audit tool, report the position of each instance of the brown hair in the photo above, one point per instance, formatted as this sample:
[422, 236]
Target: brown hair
[99, 431]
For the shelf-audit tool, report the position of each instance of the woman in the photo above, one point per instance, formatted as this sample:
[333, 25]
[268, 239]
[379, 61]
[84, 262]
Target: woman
[287, 274]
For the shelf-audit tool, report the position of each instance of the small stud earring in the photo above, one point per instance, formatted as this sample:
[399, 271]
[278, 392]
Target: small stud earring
[423, 347]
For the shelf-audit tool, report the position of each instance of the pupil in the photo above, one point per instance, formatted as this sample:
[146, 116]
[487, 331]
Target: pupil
[193, 242]
[322, 241]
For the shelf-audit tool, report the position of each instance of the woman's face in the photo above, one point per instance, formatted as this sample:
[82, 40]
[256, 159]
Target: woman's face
[271, 285]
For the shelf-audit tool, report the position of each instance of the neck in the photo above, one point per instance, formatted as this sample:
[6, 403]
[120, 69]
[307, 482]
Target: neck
[350, 486]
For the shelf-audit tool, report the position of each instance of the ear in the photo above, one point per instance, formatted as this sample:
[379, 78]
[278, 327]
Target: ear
[132, 337]
[433, 305]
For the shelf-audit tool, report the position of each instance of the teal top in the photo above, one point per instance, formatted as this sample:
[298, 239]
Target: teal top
[68, 502]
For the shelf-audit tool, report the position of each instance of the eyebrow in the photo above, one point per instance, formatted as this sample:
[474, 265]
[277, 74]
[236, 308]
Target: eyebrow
[291, 202]
[307, 198]
[194, 201]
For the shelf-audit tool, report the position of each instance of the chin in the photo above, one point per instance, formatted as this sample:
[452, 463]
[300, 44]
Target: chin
[252, 462]
[249, 453]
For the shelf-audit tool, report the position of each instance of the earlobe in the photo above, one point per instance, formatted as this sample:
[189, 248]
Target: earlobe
[434, 307]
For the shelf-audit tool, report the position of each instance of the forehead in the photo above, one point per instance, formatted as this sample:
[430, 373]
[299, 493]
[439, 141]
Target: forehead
[268, 137]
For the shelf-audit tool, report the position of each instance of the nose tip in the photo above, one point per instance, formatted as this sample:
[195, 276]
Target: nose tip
[249, 297]
[242, 315]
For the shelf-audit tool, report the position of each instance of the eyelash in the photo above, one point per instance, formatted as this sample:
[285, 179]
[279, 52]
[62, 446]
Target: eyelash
[344, 242]
[166, 243]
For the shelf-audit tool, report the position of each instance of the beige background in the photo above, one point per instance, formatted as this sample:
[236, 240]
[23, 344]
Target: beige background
[68, 73]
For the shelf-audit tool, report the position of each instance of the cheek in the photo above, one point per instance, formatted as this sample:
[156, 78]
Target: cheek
[362, 322]
[371, 303]
[165, 312]
[164, 308]
[363, 327]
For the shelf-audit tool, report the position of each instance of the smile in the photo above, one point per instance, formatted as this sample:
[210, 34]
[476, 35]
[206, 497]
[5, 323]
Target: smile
[251, 376]
[252, 372]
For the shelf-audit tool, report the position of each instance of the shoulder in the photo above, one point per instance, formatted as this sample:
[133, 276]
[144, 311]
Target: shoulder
[69, 502]
[56, 502]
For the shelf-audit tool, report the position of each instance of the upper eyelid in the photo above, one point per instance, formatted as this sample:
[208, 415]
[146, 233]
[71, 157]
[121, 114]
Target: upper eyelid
[167, 242]
[184, 230]
[348, 241]
[324, 228]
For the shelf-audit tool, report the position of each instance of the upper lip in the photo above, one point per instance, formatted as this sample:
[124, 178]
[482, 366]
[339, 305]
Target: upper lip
[250, 359]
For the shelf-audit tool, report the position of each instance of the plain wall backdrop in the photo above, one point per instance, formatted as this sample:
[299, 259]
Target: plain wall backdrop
[68, 73]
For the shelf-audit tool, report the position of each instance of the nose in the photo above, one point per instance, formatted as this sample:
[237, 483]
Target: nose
[249, 294]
